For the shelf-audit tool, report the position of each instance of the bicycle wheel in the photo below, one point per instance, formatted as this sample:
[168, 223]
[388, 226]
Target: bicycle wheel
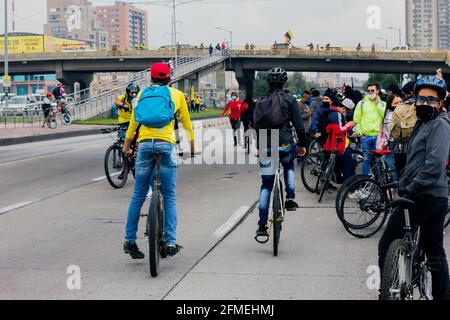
[116, 168]
[310, 171]
[277, 214]
[395, 274]
[324, 180]
[340, 193]
[154, 233]
[66, 119]
[364, 208]
[314, 147]
[51, 122]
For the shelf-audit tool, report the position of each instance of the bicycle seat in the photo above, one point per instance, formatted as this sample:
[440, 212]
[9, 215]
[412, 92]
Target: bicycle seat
[380, 153]
[403, 203]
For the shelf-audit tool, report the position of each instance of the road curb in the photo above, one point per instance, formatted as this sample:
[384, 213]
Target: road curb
[48, 137]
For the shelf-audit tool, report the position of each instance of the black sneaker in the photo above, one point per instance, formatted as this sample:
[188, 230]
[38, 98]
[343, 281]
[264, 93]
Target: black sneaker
[121, 176]
[291, 205]
[173, 250]
[262, 231]
[133, 250]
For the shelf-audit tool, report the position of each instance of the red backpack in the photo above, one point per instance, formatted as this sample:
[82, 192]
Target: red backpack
[336, 139]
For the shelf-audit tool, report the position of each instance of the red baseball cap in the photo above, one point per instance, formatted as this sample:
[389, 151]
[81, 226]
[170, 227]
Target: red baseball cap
[160, 71]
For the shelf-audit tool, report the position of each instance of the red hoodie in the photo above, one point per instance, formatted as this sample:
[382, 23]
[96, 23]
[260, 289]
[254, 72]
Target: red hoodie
[236, 109]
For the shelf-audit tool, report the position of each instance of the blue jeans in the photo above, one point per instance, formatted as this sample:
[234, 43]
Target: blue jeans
[145, 166]
[390, 161]
[368, 144]
[269, 167]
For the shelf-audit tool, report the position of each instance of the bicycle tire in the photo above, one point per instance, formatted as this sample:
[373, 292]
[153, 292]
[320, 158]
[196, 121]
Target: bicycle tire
[277, 209]
[391, 270]
[52, 123]
[115, 151]
[327, 178]
[365, 230]
[66, 119]
[154, 233]
[310, 168]
[314, 147]
[339, 199]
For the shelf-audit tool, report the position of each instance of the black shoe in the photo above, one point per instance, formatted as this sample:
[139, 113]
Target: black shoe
[291, 205]
[262, 231]
[133, 250]
[173, 250]
[121, 176]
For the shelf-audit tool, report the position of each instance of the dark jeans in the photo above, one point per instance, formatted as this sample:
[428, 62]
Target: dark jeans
[430, 213]
[197, 108]
[345, 168]
[236, 125]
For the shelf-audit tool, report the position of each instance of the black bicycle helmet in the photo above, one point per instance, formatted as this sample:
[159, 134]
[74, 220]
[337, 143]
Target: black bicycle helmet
[277, 75]
[133, 89]
[432, 83]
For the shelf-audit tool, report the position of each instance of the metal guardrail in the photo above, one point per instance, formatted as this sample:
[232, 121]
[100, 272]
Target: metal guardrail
[88, 103]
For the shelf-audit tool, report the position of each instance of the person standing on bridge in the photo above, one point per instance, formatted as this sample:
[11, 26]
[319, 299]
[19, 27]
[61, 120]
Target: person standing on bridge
[369, 115]
[156, 140]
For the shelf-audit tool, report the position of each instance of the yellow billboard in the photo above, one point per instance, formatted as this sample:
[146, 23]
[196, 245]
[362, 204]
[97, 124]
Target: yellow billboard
[53, 44]
[23, 44]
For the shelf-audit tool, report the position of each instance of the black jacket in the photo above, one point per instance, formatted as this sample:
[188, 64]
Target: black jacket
[293, 122]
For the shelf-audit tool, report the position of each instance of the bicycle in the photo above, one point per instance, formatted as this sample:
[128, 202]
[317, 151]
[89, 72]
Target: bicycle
[117, 166]
[155, 227]
[65, 116]
[50, 121]
[326, 174]
[278, 212]
[406, 268]
[370, 198]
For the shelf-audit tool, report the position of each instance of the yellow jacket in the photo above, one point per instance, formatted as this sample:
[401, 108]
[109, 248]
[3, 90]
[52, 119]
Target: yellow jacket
[125, 116]
[168, 132]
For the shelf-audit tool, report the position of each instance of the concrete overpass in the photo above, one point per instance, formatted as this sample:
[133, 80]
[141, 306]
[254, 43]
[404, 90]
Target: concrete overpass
[80, 66]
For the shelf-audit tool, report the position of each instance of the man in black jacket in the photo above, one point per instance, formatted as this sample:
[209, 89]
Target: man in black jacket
[289, 148]
[425, 182]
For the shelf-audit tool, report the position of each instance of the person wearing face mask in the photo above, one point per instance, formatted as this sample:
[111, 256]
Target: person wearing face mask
[369, 115]
[234, 108]
[425, 182]
[317, 129]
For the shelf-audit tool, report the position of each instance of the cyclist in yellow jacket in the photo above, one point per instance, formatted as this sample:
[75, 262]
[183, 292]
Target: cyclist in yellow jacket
[161, 141]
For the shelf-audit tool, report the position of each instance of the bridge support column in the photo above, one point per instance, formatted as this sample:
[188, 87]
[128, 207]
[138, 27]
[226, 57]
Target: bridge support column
[246, 79]
[69, 79]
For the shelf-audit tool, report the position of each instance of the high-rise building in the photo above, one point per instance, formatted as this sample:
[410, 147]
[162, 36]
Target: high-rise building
[428, 24]
[127, 26]
[75, 19]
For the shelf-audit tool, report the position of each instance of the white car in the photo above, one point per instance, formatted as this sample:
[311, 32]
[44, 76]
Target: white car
[19, 105]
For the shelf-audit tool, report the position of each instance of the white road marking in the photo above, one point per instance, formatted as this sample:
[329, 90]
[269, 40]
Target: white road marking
[16, 206]
[99, 179]
[232, 222]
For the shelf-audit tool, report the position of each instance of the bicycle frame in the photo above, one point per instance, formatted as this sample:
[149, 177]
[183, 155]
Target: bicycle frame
[277, 183]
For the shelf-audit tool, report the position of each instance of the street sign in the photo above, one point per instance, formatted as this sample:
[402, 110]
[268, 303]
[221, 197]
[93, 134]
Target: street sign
[6, 81]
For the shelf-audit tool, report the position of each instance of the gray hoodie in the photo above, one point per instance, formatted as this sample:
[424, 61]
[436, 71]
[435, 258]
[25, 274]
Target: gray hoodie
[429, 146]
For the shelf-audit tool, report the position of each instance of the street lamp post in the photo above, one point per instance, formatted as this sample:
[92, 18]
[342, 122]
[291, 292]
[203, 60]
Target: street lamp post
[399, 36]
[386, 40]
[231, 35]
[6, 75]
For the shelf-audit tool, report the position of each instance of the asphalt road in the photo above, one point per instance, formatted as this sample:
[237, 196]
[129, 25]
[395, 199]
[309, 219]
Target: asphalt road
[56, 217]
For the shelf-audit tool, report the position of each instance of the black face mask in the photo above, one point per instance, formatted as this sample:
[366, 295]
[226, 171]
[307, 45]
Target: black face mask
[426, 113]
[326, 104]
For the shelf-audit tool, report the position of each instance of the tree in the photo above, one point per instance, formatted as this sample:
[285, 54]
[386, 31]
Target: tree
[383, 79]
[295, 85]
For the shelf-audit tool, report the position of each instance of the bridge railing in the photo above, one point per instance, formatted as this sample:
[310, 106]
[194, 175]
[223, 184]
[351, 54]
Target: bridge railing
[100, 98]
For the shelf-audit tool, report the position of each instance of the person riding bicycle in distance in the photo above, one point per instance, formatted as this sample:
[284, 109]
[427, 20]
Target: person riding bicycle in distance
[157, 107]
[124, 103]
[425, 182]
[275, 112]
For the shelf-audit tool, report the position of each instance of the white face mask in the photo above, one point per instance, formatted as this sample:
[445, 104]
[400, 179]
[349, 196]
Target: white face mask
[234, 98]
[372, 96]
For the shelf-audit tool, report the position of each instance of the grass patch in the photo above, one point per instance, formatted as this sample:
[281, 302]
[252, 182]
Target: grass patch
[212, 112]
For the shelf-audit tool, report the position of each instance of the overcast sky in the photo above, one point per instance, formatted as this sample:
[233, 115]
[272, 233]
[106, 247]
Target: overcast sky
[339, 22]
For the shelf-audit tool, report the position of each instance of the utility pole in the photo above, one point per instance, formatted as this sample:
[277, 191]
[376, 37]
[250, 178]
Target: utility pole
[6, 80]
[175, 32]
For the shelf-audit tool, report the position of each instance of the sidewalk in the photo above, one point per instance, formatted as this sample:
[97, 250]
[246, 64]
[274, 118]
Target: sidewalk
[13, 136]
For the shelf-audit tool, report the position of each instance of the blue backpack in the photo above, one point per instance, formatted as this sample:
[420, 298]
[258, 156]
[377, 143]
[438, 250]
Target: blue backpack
[155, 108]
